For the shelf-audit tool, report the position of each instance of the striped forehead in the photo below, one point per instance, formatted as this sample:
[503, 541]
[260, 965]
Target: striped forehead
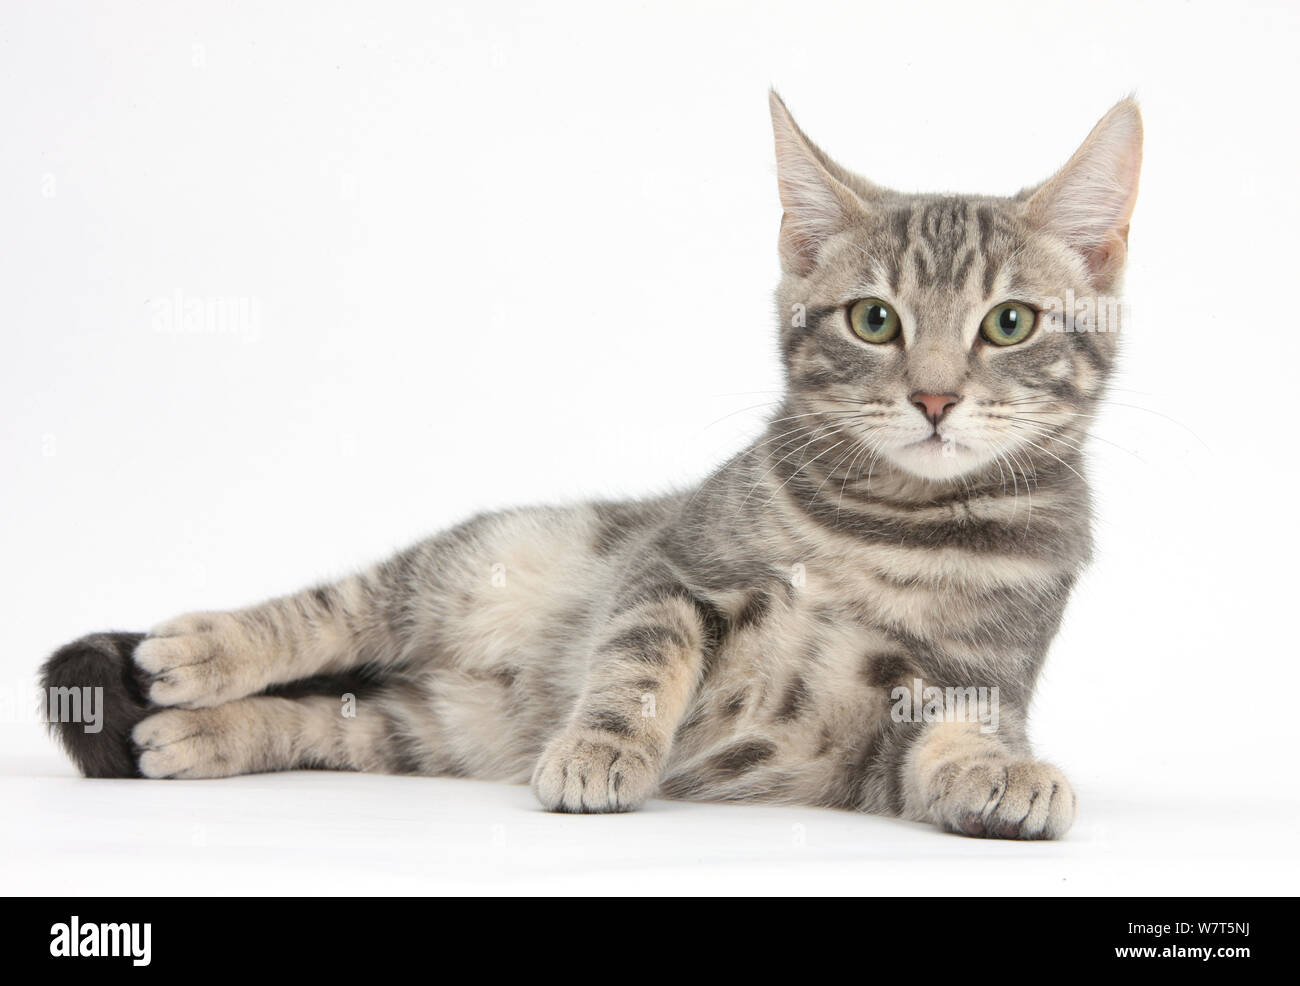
[941, 258]
[948, 246]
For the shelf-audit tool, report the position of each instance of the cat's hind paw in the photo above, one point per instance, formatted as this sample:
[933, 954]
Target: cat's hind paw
[592, 771]
[194, 661]
[184, 743]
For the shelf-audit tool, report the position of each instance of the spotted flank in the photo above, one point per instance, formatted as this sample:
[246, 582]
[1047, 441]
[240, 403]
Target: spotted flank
[851, 612]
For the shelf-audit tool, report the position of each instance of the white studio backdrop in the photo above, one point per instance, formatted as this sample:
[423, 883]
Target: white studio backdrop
[460, 256]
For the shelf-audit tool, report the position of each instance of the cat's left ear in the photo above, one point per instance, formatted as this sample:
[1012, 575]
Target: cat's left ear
[1088, 203]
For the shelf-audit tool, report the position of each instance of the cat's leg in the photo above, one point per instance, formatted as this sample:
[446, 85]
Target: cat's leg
[977, 783]
[384, 732]
[205, 659]
[643, 674]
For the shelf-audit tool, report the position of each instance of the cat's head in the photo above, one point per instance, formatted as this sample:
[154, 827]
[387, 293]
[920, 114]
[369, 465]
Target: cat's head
[949, 335]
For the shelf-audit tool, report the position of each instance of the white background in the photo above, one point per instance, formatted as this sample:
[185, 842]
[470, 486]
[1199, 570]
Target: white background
[500, 253]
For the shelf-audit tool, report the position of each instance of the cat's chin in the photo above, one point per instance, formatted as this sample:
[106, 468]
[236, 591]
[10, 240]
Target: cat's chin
[936, 460]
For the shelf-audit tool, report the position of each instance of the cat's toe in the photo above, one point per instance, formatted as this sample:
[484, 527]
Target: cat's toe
[1011, 799]
[593, 773]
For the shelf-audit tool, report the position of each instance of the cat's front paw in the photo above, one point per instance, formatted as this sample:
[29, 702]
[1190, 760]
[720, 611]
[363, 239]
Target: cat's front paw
[591, 771]
[1003, 799]
[196, 661]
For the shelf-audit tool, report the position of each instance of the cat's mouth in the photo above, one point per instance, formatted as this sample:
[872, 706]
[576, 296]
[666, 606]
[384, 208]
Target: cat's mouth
[935, 440]
[937, 456]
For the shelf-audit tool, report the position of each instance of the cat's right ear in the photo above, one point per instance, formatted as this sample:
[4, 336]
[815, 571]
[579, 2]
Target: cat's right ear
[815, 193]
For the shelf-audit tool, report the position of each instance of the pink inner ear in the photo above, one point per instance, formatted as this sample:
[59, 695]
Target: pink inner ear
[1108, 255]
[817, 195]
[1088, 202]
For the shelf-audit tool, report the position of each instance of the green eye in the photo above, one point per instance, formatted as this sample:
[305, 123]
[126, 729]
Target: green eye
[1009, 323]
[873, 321]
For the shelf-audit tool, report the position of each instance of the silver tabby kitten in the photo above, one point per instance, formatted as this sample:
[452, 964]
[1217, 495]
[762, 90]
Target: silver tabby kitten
[914, 512]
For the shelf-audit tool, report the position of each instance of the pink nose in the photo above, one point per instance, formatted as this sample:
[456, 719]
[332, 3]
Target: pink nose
[934, 406]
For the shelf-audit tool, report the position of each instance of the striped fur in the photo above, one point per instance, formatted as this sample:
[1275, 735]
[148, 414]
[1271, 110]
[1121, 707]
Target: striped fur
[742, 639]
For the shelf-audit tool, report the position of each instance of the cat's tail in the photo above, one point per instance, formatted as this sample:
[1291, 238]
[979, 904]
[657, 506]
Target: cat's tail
[94, 695]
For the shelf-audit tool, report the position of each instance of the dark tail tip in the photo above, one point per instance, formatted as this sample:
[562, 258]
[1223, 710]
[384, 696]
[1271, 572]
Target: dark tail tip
[94, 695]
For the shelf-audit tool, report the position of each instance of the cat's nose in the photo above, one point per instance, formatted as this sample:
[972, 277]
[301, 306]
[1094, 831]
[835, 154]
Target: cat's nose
[934, 406]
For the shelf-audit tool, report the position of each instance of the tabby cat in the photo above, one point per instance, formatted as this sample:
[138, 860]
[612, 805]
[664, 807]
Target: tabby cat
[911, 522]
